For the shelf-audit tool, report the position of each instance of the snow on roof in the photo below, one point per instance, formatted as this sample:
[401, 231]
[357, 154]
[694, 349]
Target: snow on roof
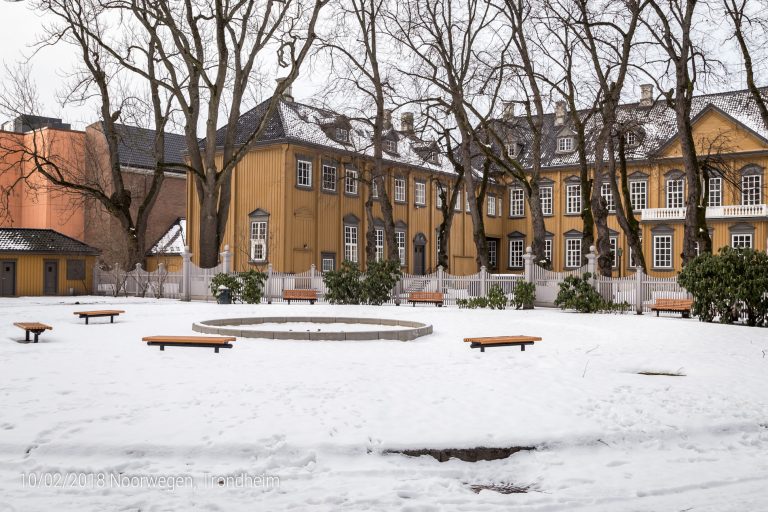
[173, 241]
[41, 241]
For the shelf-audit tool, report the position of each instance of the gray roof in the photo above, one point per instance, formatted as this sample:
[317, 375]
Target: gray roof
[298, 123]
[655, 126]
[45, 241]
[136, 147]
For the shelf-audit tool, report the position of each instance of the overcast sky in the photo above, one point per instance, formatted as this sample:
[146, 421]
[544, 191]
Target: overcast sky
[21, 27]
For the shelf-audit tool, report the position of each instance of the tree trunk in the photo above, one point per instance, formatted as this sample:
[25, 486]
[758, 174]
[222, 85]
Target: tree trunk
[209, 231]
[537, 221]
[624, 212]
[370, 233]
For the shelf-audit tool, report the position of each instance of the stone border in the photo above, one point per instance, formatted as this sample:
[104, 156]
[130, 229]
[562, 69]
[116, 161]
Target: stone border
[415, 329]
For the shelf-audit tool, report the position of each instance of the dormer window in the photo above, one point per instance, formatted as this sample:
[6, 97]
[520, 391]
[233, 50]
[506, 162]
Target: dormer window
[433, 157]
[511, 149]
[631, 139]
[564, 144]
[389, 145]
[342, 134]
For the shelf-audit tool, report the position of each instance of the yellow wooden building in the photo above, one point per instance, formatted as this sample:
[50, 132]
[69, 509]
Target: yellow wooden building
[298, 196]
[44, 262]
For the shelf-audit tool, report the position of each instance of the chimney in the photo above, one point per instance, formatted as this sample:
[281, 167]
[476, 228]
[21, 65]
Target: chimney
[646, 95]
[288, 92]
[559, 113]
[508, 111]
[387, 118]
[406, 123]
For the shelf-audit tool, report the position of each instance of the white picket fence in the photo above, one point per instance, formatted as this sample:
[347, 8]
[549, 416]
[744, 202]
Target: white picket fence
[639, 290]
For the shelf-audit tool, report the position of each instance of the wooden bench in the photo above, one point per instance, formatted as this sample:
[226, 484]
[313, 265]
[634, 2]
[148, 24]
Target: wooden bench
[310, 295]
[435, 298]
[502, 341]
[33, 327]
[111, 313]
[673, 306]
[214, 342]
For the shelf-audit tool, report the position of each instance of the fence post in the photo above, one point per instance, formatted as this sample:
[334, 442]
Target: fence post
[591, 265]
[186, 262]
[440, 278]
[96, 279]
[528, 260]
[268, 284]
[226, 260]
[639, 290]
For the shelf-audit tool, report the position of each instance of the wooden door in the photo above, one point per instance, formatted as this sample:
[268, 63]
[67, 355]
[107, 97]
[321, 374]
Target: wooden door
[7, 278]
[51, 277]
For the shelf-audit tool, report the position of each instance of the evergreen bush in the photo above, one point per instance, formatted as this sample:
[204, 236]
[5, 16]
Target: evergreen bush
[496, 299]
[379, 280]
[345, 286]
[252, 286]
[578, 293]
[228, 280]
[525, 294]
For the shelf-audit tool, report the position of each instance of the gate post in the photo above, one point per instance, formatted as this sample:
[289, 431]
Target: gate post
[226, 260]
[440, 279]
[186, 263]
[639, 290]
[591, 265]
[528, 264]
[268, 284]
[483, 277]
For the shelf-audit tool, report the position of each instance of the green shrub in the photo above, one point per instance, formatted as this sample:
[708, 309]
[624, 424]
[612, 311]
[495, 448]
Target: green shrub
[252, 286]
[525, 294]
[228, 280]
[345, 286]
[379, 280]
[728, 284]
[472, 303]
[578, 293]
[496, 299]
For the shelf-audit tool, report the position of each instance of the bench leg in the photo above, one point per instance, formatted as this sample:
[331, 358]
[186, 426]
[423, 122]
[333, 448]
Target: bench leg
[522, 348]
[482, 348]
[162, 348]
[86, 320]
[439, 304]
[657, 312]
[311, 303]
[111, 319]
[686, 314]
[289, 302]
[216, 349]
[36, 335]
[27, 336]
[414, 304]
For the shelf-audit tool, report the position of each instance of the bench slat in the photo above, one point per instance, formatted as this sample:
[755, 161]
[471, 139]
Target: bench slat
[220, 340]
[103, 312]
[502, 339]
[33, 326]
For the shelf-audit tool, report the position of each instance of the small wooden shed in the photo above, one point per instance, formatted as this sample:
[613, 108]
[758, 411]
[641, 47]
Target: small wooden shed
[37, 262]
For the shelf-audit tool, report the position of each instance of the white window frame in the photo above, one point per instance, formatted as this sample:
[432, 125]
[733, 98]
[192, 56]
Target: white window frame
[516, 202]
[630, 139]
[457, 206]
[438, 198]
[662, 251]
[303, 173]
[491, 200]
[374, 189]
[614, 242]
[548, 249]
[328, 268]
[420, 193]
[493, 253]
[607, 194]
[675, 193]
[516, 252]
[379, 241]
[350, 243]
[342, 134]
[401, 246]
[390, 145]
[564, 144]
[638, 194]
[715, 192]
[751, 188]
[350, 182]
[400, 190]
[573, 256]
[329, 177]
[546, 199]
[573, 199]
[259, 239]
[742, 240]
[511, 149]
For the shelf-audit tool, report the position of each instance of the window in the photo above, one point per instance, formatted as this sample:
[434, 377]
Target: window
[638, 194]
[741, 241]
[329, 178]
[259, 240]
[573, 199]
[457, 206]
[438, 197]
[350, 243]
[573, 252]
[491, 206]
[614, 248]
[304, 173]
[342, 134]
[715, 192]
[564, 144]
[545, 195]
[548, 249]
[75, 270]
[400, 239]
[400, 190]
[662, 251]
[675, 193]
[420, 193]
[350, 182]
[375, 189]
[632, 259]
[516, 202]
[466, 200]
[438, 245]
[631, 139]
[379, 235]
[492, 253]
[750, 189]
[607, 194]
[433, 157]
[328, 262]
[390, 145]
[511, 149]
[516, 251]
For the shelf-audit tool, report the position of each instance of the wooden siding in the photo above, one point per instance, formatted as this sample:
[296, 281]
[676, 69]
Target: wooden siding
[29, 273]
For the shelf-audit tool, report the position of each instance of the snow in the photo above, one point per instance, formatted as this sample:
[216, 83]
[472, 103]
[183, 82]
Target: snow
[319, 327]
[94, 401]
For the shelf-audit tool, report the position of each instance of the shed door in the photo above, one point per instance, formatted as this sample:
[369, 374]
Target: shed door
[419, 256]
[51, 277]
[7, 278]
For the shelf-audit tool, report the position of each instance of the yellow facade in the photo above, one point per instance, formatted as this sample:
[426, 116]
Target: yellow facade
[30, 270]
[307, 223]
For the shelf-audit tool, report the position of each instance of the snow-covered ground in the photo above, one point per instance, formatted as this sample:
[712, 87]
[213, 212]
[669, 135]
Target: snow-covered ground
[91, 403]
